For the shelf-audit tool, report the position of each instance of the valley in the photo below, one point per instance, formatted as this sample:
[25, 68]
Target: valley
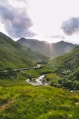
[51, 50]
[39, 59]
[33, 86]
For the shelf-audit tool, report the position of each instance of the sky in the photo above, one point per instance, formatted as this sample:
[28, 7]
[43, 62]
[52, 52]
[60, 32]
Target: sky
[49, 20]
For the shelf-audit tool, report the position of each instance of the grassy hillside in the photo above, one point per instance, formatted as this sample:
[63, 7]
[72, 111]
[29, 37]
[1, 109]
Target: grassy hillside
[20, 100]
[70, 58]
[14, 55]
[67, 68]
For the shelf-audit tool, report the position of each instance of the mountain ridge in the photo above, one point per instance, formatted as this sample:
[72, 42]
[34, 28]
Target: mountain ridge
[13, 54]
[48, 49]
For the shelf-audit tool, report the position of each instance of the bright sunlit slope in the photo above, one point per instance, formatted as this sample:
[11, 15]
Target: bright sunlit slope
[68, 60]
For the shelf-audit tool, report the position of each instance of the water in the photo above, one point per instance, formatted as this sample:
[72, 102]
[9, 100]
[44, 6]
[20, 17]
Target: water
[38, 81]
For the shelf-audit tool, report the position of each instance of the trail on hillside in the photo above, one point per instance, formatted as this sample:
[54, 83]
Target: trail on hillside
[3, 106]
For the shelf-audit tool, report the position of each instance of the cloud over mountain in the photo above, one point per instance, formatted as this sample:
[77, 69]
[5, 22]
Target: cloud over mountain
[16, 20]
[71, 26]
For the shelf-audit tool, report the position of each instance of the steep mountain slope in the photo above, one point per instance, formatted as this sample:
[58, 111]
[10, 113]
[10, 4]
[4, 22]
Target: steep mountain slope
[67, 67]
[51, 50]
[12, 54]
[69, 60]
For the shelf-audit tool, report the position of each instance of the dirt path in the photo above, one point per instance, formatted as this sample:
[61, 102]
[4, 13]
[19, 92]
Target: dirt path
[3, 106]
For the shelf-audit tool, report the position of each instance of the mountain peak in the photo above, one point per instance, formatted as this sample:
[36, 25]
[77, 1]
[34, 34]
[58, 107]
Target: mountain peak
[5, 38]
[53, 50]
[62, 41]
[2, 34]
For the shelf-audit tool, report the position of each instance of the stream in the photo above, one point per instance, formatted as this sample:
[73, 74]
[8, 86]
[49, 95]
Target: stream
[38, 81]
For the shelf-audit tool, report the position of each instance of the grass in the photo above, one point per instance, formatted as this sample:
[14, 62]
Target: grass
[21, 100]
[52, 76]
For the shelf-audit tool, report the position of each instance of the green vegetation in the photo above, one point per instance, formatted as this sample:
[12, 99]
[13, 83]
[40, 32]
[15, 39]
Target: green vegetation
[67, 68]
[20, 100]
[13, 55]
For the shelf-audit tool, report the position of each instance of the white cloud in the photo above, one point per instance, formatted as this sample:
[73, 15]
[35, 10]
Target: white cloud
[15, 20]
[47, 16]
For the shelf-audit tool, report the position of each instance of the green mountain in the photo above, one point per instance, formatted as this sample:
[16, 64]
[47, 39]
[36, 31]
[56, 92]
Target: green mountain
[14, 55]
[50, 50]
[67, 68]
[67, 61]
[18, 99]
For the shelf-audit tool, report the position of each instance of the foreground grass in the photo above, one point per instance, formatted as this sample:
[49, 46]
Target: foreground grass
[20, 100]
